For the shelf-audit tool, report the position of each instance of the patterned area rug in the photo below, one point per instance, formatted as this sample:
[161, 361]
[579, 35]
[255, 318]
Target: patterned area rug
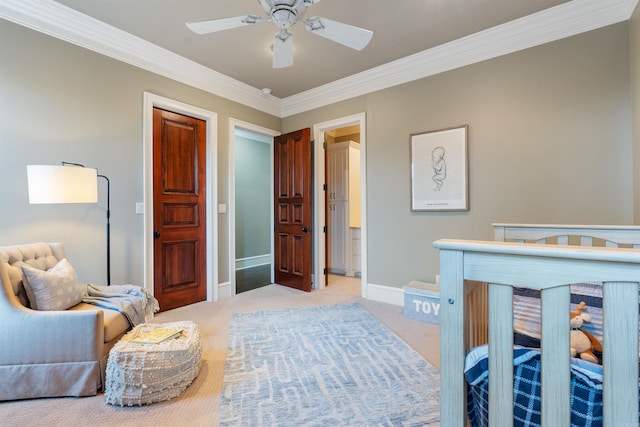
[324, 366]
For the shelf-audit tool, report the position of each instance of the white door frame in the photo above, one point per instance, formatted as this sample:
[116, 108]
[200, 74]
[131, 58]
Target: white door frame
[233, 125]
[150, 101]
[319, 199]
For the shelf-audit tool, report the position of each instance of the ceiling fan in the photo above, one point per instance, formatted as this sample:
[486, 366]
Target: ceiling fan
[285, 13]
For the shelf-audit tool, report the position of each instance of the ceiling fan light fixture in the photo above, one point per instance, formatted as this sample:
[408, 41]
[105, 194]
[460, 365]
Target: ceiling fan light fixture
[284, 17]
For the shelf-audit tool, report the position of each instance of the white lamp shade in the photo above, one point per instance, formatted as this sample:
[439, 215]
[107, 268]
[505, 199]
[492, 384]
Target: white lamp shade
[62, 184]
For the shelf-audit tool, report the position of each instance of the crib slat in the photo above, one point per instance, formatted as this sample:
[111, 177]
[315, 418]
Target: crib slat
[555, 393]
[452, 351]
[586, 241]
[500, 355]
[620, 342]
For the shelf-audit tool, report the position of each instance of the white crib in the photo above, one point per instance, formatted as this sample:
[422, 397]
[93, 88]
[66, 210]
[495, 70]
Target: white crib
[514, 262]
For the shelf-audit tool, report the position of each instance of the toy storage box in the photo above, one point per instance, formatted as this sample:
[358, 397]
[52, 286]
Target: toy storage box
[422, 302]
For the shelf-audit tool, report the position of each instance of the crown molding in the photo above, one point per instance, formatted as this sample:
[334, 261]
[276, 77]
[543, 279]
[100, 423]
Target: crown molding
[565, 20]
[552, 24]
[64, 23]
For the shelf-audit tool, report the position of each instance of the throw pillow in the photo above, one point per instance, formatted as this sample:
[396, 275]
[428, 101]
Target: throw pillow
[53, 289]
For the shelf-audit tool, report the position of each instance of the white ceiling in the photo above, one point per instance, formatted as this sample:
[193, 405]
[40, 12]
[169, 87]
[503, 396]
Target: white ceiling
[412, 39]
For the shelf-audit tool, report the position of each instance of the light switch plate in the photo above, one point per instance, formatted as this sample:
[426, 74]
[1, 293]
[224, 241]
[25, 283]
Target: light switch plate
[139, 208]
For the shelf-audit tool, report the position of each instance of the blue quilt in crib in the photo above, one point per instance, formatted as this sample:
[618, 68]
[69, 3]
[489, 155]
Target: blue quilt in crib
[586, 389]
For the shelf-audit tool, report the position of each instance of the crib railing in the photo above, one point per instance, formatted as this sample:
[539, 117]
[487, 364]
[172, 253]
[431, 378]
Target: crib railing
[549, 268]
[557, 234]
[612, 235]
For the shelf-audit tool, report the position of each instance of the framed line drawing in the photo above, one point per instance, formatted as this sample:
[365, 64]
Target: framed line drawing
[439, 170]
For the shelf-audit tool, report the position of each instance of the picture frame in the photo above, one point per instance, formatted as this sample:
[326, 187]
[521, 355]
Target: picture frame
[439, 170]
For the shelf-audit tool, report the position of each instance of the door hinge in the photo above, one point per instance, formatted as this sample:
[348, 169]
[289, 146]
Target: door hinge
[324, 229]
[324, 187]
[325, 271]
[324, 145]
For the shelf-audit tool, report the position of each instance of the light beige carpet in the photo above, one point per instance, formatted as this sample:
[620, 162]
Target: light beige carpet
[198, 405]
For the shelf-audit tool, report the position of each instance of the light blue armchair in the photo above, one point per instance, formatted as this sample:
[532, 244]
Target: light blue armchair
[50, 353]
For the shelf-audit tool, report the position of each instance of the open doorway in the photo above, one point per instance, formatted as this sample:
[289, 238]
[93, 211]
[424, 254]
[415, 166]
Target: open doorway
[343, 205]
[252, 213]
[350, 131]
[250, 207]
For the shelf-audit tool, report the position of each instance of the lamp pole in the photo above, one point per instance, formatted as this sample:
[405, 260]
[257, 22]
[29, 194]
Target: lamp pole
[108, 229]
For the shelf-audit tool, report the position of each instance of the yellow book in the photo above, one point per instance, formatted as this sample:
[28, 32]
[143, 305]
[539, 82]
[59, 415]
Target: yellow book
[157, 335]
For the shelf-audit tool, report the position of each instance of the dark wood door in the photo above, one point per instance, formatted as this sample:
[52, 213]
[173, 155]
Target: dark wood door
[179, 209]
[293, 204]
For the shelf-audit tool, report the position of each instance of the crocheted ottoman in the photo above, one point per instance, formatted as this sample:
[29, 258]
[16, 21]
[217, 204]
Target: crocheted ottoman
[140, 374]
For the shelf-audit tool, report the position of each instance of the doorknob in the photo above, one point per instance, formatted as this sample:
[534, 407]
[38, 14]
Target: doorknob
[305, 229]
[156, 234]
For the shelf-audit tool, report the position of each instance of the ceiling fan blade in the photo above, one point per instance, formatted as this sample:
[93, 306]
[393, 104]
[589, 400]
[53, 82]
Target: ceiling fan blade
[206, 27]
[348, 35]
[283, 49]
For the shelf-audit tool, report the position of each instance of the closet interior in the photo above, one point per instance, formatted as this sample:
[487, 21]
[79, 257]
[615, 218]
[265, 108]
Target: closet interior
[343, 201]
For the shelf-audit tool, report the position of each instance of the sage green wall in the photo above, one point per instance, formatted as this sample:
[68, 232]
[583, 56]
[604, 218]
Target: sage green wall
[62, 102]
[252, 198]
[634, 52]
[549, 142]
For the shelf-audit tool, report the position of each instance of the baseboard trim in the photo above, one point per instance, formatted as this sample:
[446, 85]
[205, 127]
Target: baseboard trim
[224, 290]
[386, 294]
[375, 292]
[252, 261]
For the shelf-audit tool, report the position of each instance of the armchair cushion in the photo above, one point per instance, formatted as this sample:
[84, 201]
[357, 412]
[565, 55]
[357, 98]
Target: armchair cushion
[53, 289]
[38, 255]
[115, 324]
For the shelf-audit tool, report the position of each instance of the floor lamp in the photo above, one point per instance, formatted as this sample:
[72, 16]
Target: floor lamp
[69, 183]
